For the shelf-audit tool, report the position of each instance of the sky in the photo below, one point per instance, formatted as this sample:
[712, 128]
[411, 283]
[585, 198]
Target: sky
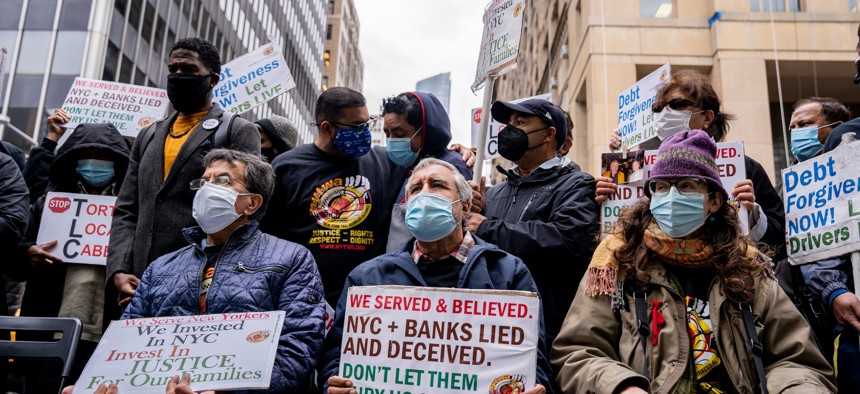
[404, 41]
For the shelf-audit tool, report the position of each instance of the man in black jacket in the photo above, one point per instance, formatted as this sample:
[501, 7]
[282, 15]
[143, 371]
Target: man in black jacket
[154, 203]
[545, 212]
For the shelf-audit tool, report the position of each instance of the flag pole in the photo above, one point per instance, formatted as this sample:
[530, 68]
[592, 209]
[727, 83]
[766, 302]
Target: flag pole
[489, 84]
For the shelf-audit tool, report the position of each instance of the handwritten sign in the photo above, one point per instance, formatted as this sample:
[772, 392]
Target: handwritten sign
[635, 119]
[822, 205]
[433, 340]
[80, 223]
[492, 147]
[730, 166]
[224, 351]
[128, 107]
[500, 41]
[252, 79]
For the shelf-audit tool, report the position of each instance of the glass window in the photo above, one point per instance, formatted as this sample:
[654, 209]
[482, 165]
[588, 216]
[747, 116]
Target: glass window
[148, 21]
[119, 5]
[125, 70]
[75, 14]
[130, 39]
[22, 118]
[134, 13]
[655, 8]
[58, 88]
[111, 58]
[328, 32]
[11, 11]
[40, 15]
[852, 5]
[33, 57]
[116, 24]
[158, 41]
[69, 52]
[26, 90]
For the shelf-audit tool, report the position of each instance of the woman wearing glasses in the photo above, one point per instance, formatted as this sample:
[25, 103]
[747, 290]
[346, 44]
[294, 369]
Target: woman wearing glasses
[677, 300]
[688, 102]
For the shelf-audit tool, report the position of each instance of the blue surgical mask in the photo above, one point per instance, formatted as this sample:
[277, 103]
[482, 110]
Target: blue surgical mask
[214, 207]
[354, 143]
[678, 215]
[400, 150]
[805, 143]
[429, 216]
[94, 172]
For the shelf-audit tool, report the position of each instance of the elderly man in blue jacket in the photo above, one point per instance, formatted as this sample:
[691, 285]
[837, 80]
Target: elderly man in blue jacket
[442, 254]
[230, 266]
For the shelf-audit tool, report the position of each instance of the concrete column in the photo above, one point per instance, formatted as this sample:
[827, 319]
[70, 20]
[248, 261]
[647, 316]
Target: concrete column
[742, 86]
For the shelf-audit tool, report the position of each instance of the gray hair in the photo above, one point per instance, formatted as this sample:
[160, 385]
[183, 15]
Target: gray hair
[259, 175]
[464, 191]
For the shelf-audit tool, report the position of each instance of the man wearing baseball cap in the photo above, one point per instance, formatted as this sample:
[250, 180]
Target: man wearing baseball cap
[545, 212]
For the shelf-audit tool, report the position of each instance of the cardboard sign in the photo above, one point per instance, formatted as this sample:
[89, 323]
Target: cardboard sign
[253, 79]
[500, 41]
[635, 119]
[730, 165]
[80, 223]
[435, 340]
[225, 351]
[492, 147]
[128, 107]
[822, 205]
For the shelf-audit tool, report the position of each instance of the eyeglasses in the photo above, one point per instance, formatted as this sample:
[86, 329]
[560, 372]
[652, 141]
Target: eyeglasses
[687, 187]
[358, 128]
[221, 180]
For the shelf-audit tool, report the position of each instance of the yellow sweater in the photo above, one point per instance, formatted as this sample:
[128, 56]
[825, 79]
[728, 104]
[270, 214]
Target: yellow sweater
[172, 145]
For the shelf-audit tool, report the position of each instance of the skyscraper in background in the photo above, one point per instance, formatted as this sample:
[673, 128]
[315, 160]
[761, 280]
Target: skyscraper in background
[342, 61]
[439, 85]
[50, 42]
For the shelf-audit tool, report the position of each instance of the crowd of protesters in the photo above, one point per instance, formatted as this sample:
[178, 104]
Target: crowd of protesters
[217, 214]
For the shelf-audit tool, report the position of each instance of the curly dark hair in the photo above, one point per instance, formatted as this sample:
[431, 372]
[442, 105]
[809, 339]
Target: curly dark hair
[404, 104]
[831, 108]
[208, 53]
[699, 88]
[732, 265]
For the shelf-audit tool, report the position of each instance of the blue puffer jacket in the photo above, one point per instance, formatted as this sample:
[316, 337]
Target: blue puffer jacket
[274, 275]
[487, 267]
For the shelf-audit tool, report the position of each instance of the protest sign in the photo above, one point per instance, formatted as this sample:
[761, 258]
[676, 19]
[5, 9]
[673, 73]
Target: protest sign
[224, 351]
[492, 145]
[252, 79]
[730, 166]
[500, 41]
[80, 223]
[822, 205]
[433, 340]
[635, 119]
[128, 107]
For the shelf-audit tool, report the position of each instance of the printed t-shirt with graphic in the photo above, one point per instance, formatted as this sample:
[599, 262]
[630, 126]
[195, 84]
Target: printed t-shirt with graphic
[182, 124]
[338, 207]
[709, 375]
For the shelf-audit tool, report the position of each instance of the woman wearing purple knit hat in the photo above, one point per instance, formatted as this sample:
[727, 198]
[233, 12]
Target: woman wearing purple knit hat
[678, 300]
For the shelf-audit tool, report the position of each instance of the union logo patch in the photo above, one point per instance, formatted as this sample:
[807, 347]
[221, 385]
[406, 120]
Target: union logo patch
[341, 203]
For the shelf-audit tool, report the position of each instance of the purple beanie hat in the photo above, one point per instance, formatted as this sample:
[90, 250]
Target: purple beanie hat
[688, 154]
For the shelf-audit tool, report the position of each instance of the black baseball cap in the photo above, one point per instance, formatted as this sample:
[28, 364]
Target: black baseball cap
[544, 109]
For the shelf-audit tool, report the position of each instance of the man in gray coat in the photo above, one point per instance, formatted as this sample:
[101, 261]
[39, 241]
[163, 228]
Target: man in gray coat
[154, 203]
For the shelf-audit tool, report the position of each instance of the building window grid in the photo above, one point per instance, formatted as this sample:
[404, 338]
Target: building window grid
[778, 5]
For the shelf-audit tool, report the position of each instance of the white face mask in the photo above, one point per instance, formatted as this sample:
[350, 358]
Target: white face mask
[672, 121]
[215, 207]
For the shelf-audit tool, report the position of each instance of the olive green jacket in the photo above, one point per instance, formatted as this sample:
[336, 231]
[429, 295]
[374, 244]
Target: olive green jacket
[599, 351]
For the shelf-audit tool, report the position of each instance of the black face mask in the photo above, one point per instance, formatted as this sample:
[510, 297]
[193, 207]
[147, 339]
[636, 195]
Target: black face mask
[188, 92]
[269, 153]
[514, 142]
[857, 76]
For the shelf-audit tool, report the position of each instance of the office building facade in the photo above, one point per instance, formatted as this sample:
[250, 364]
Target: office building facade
[342, 62]
[50, 42]
[585, 52]
[439, 85]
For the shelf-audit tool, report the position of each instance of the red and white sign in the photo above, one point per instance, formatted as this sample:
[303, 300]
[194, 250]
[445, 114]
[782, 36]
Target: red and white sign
[80, 223]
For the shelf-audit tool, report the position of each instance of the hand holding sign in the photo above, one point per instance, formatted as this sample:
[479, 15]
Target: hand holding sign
[55, 124]
[744, 193]
[38, 256]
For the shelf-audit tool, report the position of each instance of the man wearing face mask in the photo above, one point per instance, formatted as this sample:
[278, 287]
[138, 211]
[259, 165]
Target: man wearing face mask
[417, 127]
[811, 123]
[228, 265]
[440, 254]
[92, 161]
[154, 204]
[335, 196]
[277, 135]
[544, 213]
